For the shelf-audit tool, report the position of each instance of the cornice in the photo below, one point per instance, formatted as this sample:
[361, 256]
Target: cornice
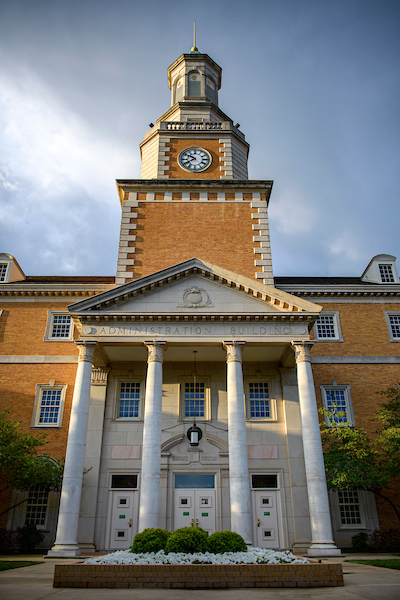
[344, 291]
[52, 290]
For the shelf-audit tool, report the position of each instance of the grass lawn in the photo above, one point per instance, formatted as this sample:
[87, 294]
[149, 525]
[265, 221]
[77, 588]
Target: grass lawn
[15, 564]
[388, 563]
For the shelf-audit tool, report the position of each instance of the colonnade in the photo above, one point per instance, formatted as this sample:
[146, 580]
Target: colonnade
[67, 531]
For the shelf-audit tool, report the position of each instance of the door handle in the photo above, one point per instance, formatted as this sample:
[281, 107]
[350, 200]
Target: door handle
[197, 523]
[191, 523]
[258, 522]
[130, 523]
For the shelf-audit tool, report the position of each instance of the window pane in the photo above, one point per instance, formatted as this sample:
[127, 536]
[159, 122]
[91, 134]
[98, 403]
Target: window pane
[258, 389]
[264, 481]
[37, 507]
[124, 481]
[386, 273]
[336, 403]
[194, 481]
[395, 325]
[349, 507]
[50, 406]
[194, 399]
[129, 399]
[61, 326]
[326, 326]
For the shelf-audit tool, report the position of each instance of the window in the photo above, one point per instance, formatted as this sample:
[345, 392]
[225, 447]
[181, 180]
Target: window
[36, 510]
[195, 400]
[393, 323]
[130, 400]
[49, 405]
[259, 403]
[3, 272]
[337, 400]
[350, 510]
[327, 327]
[194, 87]
[59, 327]
[386, 273]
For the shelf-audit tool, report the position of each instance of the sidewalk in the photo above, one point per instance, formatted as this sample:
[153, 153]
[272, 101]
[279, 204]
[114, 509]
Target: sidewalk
[361, 583]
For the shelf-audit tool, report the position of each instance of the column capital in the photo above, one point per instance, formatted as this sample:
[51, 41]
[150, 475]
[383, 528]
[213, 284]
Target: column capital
[302, 350]
[233, 351]
[86, 351]
[155, 351]
[100, 375]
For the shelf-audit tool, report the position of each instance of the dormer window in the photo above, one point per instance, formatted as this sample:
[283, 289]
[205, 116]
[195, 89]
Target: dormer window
[386, 272]
[10, 270]
[3, 271]
[381, 269]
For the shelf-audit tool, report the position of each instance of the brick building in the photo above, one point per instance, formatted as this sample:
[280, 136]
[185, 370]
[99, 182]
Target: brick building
[185, 390]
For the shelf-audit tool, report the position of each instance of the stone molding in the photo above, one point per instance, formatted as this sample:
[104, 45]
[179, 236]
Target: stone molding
[233, 351]
[302, 351]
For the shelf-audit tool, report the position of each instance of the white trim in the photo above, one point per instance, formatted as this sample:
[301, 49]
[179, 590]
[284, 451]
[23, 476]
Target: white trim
[271, 398]
[336, 324]
[117, 398]
[51, 314]
[40, 388]
[207, 399]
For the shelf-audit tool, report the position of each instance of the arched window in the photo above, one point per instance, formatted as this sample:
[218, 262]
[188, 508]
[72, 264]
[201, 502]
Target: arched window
[211, 90]
[179, 89]
[194, 90]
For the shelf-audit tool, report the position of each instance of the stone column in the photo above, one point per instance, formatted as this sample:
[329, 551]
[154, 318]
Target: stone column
[321, 529]
[66, 543]
[238, 465]
[151, 448]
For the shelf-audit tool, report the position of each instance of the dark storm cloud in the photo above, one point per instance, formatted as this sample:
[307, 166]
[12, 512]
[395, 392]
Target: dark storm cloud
[315, 86]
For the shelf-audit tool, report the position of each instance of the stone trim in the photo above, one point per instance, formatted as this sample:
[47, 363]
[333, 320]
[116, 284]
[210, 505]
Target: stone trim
[262, 242]
[370, 360]
[37, 359]
[198, 576]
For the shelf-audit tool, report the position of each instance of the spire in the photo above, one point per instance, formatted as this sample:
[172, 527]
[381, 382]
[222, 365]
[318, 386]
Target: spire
[194, 50]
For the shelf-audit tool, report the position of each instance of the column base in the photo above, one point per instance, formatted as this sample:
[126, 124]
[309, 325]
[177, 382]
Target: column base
[64, 551]
[323, 550]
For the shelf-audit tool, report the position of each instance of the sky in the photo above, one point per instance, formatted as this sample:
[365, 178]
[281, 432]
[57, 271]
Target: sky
[314, 84]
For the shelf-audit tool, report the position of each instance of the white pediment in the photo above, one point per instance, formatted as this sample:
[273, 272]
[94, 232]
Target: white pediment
[193, 287]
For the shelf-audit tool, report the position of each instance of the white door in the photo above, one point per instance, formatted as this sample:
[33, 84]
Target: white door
[265, 511]
[195, 508]
[122, 521]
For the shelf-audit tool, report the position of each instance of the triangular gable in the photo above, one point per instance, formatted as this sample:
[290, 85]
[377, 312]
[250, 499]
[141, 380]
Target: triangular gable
[194, 286]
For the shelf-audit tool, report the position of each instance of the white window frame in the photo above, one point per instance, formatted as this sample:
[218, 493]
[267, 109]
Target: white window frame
[207, 399]
[344, 526]
[40, 388]
[392, 271]
[336, 324]
[42, 527]
[140, 399]
[347, 397]
[271, 397]
[388, 314]
[49, 327]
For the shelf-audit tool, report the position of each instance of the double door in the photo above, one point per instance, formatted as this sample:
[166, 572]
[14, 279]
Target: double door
[195, 508]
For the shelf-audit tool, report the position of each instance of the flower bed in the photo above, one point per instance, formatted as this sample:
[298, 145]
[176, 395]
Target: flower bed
[256, 568]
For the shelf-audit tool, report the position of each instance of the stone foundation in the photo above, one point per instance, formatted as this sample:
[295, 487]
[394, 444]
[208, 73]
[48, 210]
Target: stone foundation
[198, 576]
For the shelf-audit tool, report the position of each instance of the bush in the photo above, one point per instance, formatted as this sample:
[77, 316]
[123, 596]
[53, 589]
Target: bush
[8, 541]
[187, 539]
[28, 537]
[226, 541]
[150, 540]
[385, 540]
[359, 542]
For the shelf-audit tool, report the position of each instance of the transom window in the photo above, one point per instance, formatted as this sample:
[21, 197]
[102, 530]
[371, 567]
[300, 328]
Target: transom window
[259, 400]
[129, 400]
[386, 273]
[36, 509]
[3, 271]
[349, 505]
[194, 399]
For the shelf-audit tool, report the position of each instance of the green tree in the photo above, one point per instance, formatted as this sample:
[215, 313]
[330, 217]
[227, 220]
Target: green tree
[20, 465]
[354, 460]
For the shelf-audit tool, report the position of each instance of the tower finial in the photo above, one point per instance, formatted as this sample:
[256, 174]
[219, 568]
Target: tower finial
[194, 49]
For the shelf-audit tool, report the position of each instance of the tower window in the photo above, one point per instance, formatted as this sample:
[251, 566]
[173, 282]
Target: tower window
[179, 90]
[194, 88]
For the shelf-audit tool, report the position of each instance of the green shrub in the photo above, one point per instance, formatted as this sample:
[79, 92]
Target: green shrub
[226, 541]
[187, 539]
[359, 542]
[28, 537]
[150, 540]
[385, 540]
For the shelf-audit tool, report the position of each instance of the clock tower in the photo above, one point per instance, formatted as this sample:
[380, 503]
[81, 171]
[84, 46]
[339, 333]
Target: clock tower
[194, 198]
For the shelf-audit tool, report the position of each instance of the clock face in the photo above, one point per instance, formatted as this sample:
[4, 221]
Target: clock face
[194, 160]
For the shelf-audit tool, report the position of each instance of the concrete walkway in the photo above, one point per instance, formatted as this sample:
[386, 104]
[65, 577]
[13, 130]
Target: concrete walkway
[361, 583]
